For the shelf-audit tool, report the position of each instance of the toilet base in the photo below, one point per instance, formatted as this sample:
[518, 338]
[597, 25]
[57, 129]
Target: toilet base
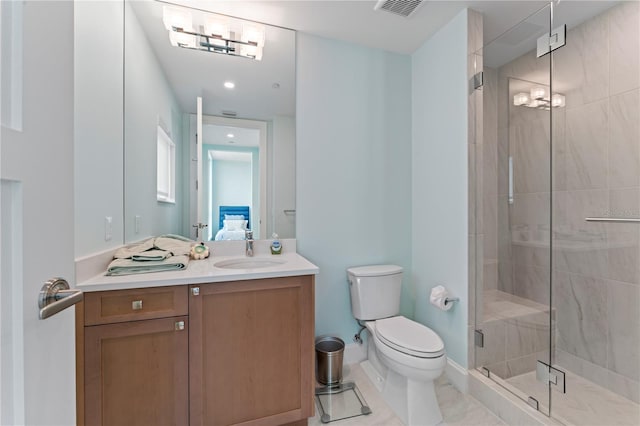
[414, 402]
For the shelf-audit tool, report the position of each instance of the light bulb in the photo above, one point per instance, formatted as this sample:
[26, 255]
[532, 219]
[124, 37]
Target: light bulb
[521, 99]
[216, 27]
[182, 39]
[178, 18]
[254, 34]
[538, 93]
[254, 52]
[558, 100]
[535, 103]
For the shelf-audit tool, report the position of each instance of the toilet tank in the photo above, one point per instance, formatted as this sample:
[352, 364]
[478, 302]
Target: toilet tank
[375, 291]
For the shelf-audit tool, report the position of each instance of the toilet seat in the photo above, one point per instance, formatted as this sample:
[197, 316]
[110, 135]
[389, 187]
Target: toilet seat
[409, 337]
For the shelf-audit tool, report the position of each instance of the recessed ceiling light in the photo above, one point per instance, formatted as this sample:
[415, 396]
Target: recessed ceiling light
[230, 135]
[229, 84]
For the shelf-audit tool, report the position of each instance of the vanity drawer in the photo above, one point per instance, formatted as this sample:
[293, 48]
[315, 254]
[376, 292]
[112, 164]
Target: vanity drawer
[106, 307]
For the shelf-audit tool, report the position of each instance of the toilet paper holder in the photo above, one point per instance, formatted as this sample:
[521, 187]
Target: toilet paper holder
[451, 300]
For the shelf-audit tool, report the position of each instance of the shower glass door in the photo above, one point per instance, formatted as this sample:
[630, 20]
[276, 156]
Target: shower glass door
[596, 196]
[514, 318]
[557, 209]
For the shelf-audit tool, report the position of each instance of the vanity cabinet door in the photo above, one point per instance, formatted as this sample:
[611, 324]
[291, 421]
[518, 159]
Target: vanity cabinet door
[136, 373]
[251, 351]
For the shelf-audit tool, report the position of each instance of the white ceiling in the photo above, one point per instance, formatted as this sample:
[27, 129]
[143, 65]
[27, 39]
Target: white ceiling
[350, 21]
[357, 22]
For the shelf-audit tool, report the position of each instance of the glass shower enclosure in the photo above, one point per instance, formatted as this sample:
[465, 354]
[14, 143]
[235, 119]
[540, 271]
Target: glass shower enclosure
[557, 212]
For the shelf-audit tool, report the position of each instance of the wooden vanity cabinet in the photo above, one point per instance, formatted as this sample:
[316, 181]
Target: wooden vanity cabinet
[251, 352]
[210, 354]
[136, 357]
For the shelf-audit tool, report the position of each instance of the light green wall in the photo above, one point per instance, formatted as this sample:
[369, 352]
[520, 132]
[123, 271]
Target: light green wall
[440, 188]
[353, 193]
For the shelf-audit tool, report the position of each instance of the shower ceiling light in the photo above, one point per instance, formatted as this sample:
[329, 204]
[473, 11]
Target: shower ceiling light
[214, 33]
[521, 99]
[538, 93]
[558, 100]
[532, 100]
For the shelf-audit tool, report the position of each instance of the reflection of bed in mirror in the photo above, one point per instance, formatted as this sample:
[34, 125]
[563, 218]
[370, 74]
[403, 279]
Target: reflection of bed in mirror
[233, 222]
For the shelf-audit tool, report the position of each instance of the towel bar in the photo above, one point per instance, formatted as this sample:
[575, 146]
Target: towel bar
[612, 219]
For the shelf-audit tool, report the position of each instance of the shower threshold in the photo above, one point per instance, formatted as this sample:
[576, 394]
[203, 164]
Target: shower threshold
[585, 402]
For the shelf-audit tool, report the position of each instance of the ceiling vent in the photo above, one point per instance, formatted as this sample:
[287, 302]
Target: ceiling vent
[399, 7]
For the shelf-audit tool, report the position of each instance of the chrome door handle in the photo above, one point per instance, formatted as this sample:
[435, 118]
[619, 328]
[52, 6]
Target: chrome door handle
[55, 295]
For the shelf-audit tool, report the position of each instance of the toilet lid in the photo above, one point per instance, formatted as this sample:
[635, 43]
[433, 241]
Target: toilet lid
[374, 270]
[409, 337]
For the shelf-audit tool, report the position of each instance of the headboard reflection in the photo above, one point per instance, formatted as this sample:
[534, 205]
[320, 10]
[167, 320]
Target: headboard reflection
[234, 211]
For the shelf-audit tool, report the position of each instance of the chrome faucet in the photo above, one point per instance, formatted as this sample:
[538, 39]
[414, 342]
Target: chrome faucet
[248, 236]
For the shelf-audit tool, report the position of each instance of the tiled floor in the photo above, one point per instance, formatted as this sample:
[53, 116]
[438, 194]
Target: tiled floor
[585, 403]
[457, 408]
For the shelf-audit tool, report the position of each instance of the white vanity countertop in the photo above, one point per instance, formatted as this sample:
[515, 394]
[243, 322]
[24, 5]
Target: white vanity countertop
[205, 271]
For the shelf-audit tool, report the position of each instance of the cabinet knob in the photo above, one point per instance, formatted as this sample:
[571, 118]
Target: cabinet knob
[179, 325]
[136, 305]
[195, 291]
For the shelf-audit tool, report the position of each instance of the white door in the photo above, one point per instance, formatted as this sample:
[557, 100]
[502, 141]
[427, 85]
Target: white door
[37, 357]
[199, 227]
[202, 222]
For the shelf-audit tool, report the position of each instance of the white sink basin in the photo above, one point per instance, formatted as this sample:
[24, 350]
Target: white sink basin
[248, 263]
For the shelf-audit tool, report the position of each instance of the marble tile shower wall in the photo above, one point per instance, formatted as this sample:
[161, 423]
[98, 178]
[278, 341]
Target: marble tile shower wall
[595, 172]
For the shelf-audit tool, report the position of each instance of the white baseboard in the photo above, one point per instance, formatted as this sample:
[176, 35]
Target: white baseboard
[354, 353]
[457, 375]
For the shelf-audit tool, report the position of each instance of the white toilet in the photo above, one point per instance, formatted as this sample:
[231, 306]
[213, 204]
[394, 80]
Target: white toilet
[404, 357]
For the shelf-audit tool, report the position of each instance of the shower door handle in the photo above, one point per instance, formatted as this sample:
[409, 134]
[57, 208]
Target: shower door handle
[510, 180]
[613, 219]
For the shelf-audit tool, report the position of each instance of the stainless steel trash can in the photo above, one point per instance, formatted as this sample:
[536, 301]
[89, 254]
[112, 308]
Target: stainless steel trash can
[329, 354]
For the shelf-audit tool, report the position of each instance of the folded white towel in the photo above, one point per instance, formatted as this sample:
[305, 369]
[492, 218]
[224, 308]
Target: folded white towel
[129, 267]
[128, 251]
[173, 243]
[164, 253]
[151, 255]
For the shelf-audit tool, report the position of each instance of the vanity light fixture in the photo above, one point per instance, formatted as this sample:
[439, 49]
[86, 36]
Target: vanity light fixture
[214, 33]
[538, 97]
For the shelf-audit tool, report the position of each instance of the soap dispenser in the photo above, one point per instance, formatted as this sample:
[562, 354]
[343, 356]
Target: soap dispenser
[276, 247]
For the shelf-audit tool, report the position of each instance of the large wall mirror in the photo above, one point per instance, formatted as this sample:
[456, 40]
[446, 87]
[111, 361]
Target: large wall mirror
[209, 124]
